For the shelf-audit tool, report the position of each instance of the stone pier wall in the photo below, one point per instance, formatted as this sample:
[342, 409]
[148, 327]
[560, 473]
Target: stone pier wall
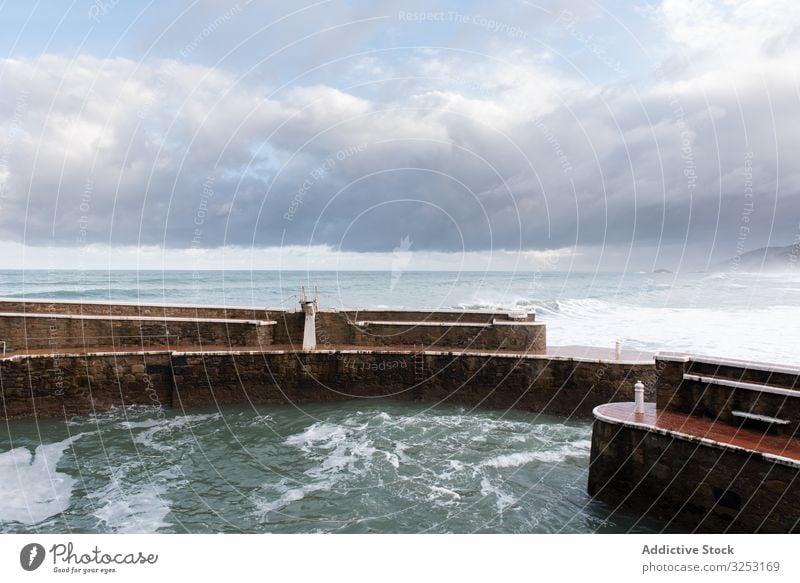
[692, 487]
[59, 334]
[473, 330]
[518, 338]
[62, 386]
[50, 386]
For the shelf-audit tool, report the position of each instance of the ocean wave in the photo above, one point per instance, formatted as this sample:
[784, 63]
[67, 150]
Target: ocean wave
[771, 332]
[526, 304]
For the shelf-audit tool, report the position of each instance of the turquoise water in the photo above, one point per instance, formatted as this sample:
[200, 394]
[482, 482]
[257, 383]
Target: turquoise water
[367, 466]
[353, 467]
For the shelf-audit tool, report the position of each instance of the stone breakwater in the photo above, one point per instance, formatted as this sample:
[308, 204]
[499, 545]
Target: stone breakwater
[65, 358]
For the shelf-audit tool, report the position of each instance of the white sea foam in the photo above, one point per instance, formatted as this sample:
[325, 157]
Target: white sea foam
[704, 314]
[287, 495]
[583, 444]
[318, 434]
[502, 499]
[345, 457]
[31, 490]
[140, 424]
[132, 509]
[393, 459]
[400, 451]
[264, 507]
[772, 332]
[513, 460]
[442, 495]
[182, 424]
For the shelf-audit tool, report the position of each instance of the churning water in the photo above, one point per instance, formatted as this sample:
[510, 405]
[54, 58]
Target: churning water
[376, 466]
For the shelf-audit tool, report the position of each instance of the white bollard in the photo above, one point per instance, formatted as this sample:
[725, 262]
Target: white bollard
[310, 308]
[638, 397]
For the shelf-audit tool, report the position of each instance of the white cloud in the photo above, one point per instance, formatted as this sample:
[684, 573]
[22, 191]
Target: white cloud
[732, 34]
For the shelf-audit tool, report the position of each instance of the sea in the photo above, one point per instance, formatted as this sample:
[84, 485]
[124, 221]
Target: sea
[368, 466]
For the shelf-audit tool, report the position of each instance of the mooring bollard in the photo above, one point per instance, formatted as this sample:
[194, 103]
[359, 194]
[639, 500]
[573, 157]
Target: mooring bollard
[310, 308]
[638, 397]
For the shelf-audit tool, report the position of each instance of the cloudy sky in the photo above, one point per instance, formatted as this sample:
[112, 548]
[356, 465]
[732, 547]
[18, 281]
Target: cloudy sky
[503, 135]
